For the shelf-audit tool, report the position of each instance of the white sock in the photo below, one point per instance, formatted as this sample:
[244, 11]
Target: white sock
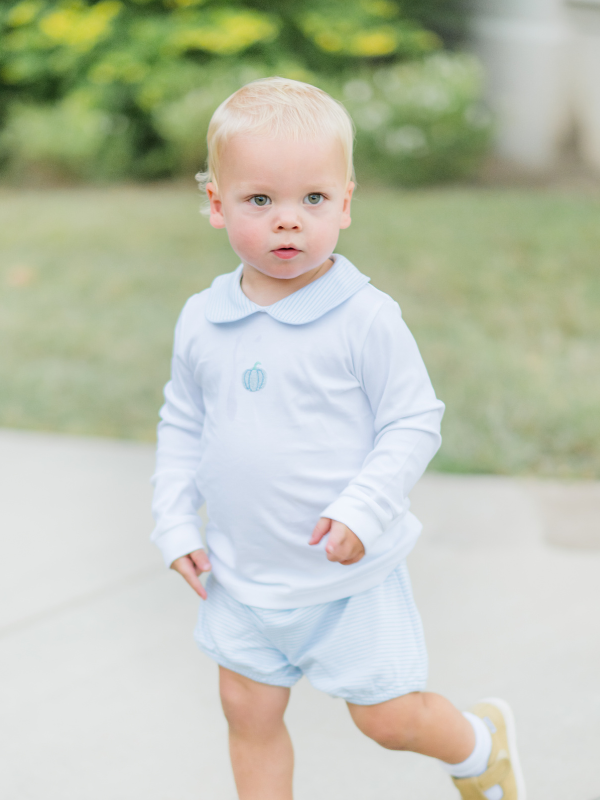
[477, 762]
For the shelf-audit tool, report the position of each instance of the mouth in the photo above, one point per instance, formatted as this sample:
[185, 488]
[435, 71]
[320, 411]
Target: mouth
[286, 252]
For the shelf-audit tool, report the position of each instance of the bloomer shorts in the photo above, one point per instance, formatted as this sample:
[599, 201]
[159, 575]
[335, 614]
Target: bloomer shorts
[366, 648]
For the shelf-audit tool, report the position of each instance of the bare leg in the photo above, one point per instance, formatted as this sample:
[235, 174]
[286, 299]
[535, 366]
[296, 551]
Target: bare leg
[261, 750]
[421, 722]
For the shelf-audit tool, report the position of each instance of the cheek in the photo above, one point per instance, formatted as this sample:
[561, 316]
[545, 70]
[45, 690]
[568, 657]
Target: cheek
[246, 234]
[325, 228]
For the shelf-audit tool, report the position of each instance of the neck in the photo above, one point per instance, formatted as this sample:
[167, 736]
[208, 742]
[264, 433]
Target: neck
[265, 290]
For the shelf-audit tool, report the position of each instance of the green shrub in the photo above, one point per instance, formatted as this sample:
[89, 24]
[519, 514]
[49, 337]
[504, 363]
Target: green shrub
[419, 122]
[106, 89]
[72, 138]
[182, 122]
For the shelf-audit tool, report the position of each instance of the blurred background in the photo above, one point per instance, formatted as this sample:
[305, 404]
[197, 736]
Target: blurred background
[478, 209]
[478, 162]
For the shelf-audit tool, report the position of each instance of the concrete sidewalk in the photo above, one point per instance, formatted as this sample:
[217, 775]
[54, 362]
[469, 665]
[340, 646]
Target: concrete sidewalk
[105, 697]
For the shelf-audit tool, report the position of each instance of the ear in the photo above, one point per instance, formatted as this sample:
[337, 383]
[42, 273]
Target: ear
[216, 218]
[346, 219]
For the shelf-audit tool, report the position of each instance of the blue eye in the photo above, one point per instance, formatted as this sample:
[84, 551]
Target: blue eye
[260, 200]
[314, 199]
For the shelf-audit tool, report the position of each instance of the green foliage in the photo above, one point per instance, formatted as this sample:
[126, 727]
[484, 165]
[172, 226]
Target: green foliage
[125, 88]
[419, 122]
[71, 138]
[447, 18]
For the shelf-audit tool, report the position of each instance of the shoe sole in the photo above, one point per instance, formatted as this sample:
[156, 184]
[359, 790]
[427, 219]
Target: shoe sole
[511, 734]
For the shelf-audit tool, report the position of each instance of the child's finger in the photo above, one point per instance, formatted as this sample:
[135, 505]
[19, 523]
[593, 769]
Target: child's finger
[187, 569]
[343, 545]
[188, 572]
[196, 586]
[337, 546]
[201, 561]
[321, 528]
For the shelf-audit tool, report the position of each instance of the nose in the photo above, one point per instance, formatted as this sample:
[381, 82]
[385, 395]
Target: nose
[288, 220]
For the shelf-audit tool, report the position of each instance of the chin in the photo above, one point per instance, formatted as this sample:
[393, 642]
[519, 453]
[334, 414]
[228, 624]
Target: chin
[285, 274]
[283, 270]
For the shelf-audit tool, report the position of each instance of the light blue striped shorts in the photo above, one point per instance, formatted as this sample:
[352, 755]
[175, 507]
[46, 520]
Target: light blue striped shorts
[366, 648]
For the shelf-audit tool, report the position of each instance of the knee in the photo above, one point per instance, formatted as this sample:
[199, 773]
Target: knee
[248, 708]
[393, 724]
[234, 701]
[239, 704]
[387, 733]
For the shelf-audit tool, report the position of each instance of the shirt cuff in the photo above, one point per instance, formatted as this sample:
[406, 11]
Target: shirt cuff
[179, 541]
[358, 517]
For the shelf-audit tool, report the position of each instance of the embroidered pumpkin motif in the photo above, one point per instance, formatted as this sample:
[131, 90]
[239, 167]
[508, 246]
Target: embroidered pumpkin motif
[255, 378]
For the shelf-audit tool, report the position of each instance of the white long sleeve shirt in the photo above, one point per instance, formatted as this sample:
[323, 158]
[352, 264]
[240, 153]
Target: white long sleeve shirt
[316, 406]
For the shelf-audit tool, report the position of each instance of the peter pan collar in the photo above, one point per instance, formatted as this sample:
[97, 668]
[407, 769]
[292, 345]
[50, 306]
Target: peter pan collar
[227, 302]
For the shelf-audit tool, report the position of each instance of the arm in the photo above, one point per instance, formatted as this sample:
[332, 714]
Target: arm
[407, 418]
[176, 495]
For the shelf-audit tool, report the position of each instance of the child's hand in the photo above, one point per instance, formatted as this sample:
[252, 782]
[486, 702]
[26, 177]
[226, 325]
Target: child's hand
[190, 567]
[342, 545]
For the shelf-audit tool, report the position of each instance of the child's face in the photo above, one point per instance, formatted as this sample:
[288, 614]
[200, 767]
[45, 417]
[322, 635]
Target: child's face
[283, 203]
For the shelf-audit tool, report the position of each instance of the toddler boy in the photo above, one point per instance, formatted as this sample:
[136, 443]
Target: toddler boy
[300, 411]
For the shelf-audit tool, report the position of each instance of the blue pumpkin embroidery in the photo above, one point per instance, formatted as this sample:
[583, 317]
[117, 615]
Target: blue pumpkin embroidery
[255, 378]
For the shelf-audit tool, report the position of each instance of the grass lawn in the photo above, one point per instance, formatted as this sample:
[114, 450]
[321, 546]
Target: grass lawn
[500, 287]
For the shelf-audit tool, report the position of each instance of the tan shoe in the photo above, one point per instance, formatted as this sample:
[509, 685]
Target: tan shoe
[503, 766]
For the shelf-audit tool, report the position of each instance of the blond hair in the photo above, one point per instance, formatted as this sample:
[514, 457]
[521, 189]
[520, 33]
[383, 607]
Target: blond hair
[278, 108]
